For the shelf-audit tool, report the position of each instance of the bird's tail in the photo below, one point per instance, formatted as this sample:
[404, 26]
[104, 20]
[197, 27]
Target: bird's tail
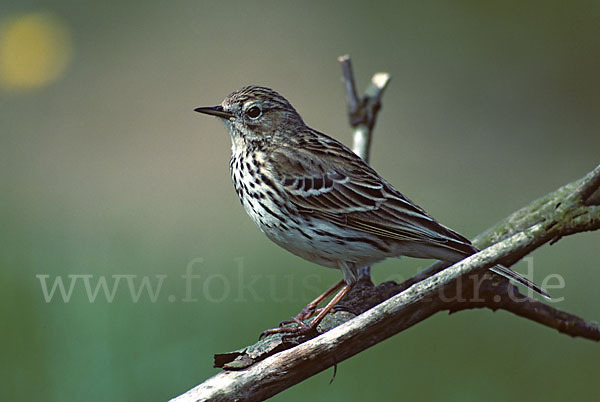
[517, 277]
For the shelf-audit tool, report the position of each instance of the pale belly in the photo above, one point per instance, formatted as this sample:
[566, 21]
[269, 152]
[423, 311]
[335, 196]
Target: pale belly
[313, 239]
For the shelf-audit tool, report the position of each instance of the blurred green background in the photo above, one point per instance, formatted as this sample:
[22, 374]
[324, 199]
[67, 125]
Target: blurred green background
[106, 171]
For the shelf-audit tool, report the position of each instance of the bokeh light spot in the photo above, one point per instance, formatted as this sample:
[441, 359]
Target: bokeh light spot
[35, 50]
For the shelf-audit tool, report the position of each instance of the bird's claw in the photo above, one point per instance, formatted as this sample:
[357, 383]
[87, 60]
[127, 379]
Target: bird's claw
[301, 329]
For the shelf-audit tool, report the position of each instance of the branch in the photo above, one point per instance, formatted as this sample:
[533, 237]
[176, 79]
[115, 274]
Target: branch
[420, 300]
[268, 367]
[362, 112]
[270, 376]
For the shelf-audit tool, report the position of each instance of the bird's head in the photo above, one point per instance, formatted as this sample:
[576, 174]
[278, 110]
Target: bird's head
[256, 114]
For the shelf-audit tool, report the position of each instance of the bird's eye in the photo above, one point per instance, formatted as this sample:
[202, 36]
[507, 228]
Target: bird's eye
[254, 112]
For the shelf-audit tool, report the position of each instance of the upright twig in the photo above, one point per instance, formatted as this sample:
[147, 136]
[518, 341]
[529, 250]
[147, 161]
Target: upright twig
[362, 112]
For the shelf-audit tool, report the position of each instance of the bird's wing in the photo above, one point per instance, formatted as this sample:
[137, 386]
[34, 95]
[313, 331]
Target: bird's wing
[327, 180]
[332, 183]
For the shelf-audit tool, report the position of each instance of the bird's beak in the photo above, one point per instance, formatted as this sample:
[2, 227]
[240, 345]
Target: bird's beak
[214, 111]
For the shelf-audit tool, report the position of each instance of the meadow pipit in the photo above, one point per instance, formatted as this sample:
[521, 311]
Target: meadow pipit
[314, 197]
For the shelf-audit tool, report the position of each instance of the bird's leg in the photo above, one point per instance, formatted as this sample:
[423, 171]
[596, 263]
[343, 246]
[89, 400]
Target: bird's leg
[325, 310]
[304, 329]
[311, 307]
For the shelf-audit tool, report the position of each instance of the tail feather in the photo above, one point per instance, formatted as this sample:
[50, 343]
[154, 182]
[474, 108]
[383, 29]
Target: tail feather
[517, 277]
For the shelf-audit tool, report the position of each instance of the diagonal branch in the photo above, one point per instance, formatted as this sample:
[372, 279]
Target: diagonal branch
[419, 301]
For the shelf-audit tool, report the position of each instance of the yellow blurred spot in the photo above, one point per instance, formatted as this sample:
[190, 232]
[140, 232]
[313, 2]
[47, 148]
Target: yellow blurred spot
[35, 49]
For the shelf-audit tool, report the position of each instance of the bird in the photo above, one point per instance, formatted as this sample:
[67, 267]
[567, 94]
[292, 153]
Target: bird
[314, 197]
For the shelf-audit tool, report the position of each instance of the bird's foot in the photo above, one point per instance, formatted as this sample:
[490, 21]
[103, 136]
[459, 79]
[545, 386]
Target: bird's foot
[310, 330]
[306, 313]
[301, 329]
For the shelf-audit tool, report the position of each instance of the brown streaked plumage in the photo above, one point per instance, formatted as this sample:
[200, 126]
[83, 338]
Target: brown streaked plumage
[314, 197]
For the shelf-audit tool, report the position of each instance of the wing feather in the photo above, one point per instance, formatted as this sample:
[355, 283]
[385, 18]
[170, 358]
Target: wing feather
[333, 184]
